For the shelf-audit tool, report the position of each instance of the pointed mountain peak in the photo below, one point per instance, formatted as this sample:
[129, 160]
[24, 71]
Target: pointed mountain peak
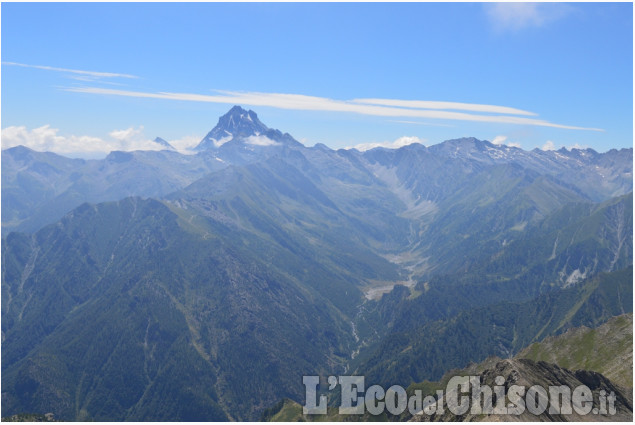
[236, 124]
[164, 143]
[240, 128]
[236, 109]
[240, 122]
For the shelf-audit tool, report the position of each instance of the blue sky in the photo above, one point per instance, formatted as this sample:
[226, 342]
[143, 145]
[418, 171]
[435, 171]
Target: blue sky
[92, 77]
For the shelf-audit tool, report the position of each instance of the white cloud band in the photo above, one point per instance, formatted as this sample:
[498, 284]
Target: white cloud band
[427, 104]
[313, 103]
[94, 74]
[47, 139]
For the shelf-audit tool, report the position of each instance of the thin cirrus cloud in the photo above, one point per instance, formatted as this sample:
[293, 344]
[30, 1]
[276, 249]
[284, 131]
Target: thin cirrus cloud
[422, 123]
[87, 75]
[374, 107]
[427, 104]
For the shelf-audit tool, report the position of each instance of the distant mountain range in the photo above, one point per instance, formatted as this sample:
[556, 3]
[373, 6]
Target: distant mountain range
[38, 188]
[162, 286]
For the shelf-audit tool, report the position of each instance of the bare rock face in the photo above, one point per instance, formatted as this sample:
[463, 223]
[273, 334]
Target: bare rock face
[610, 402]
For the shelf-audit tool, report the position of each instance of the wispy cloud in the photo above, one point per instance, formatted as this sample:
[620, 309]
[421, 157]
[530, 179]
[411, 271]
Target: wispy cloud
[548, 146]
[127, 134]
[515, 16]
[429, 104]
[422, 123]
[400, 142]
[87, 75]
[186, 144]
[313, 103]
[260, 141]
[502, 140]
